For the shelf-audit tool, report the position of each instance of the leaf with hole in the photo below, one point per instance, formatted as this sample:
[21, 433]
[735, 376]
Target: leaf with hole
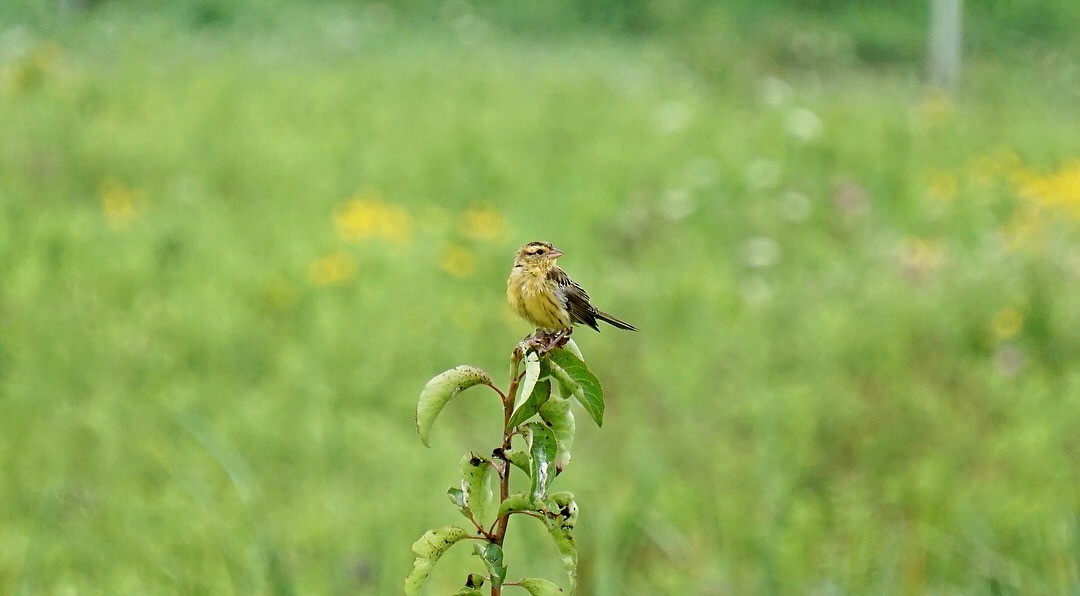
[441, 390]
[473, 583]
[428, 549]
[556, 413]
[476, 475]
[542, 452]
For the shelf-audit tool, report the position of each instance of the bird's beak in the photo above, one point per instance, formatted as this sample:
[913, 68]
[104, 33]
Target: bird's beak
[555, 253]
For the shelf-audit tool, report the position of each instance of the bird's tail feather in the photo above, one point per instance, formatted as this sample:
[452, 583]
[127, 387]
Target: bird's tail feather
[603, 316]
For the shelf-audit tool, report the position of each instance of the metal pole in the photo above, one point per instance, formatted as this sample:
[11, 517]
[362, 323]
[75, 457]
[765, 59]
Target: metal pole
[946, 33]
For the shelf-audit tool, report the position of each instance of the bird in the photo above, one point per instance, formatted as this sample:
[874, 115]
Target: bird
[540, 292]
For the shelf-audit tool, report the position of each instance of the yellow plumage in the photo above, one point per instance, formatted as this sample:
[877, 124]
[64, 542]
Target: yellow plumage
[544, 295]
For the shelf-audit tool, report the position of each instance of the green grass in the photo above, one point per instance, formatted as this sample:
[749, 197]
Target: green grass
[819, 398]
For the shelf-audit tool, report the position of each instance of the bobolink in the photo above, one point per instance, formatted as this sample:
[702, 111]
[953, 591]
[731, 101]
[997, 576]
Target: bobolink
[544, 295]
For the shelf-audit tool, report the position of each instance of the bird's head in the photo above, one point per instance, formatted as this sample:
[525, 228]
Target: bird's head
[538, 255]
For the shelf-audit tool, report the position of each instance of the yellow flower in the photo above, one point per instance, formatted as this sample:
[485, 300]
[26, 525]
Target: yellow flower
[1043, 200]
[117, 204]
[1007, 323]
[458, 261]
[367, 216]
[484, 225]
[331, 269]
[1060, 189]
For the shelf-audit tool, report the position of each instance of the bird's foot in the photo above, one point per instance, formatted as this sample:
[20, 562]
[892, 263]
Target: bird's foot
[551, 341]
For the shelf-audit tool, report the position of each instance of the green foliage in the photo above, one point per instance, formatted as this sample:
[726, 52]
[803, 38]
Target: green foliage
[540, 587]
[537, 397]
[542, 451]
[428, 549]
[492, 556]
[547, 453]
[441, 390]
[575, 379]
[858, 370]
[476, 479]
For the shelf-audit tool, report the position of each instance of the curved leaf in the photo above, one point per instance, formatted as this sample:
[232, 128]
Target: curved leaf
[519, 459]
[576, 379]
[542, 452]
[476, 473]
[518, 502]
[563, 508]
[564, 541]
[474, 580]
[572, 347]
[473, 583]
[540, 394]
[457, 497]
[540, 587]
[563, 517]
[428, 549]
[492, 555]
[556, 413]
[532, 375]
[440, 390]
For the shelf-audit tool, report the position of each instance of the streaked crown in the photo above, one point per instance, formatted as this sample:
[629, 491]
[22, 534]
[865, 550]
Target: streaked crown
[537, 252]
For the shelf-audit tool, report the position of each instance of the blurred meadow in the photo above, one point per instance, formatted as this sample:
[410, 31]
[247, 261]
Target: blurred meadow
[237, 239]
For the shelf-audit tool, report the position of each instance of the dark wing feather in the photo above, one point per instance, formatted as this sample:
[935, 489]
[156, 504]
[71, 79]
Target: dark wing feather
[575, 299]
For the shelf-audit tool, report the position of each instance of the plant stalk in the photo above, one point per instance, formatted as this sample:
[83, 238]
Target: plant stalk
[504, 476]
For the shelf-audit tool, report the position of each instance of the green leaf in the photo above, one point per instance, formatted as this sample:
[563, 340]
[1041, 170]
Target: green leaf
[572, 347]
[520, 459]
[564, 541]
[532, 375]
[540, 587]
[440, 390]
[540, 394]
[576, 379]
[542, 451]
[556, 413]
[473, 583]
[428, 549]
[492, 556]
[457, 497]
[562, 508]
[519, 502]
[562, 511]
[474, 580]
[476, 474]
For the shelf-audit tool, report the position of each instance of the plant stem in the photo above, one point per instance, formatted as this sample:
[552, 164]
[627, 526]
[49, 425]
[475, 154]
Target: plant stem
[504, 476]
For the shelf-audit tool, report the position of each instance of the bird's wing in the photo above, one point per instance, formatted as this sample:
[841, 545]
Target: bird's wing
[575, 299]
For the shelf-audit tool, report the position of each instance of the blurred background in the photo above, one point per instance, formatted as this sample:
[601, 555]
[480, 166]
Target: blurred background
[238, 238]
